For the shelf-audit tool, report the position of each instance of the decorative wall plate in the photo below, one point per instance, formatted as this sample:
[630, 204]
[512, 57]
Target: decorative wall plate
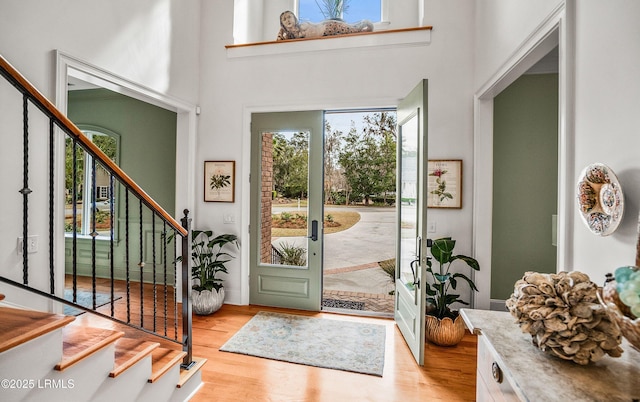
[600, 199]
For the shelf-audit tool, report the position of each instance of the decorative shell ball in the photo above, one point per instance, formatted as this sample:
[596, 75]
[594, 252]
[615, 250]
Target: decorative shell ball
[562, 313]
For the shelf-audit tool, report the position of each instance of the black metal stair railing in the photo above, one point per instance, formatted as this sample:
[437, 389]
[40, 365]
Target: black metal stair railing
[140, 233]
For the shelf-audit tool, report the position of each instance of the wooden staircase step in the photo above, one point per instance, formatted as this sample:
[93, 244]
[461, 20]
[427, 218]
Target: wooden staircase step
[18, 326]
[129, 352]
[185, 374]
[163, 360]
[80, 342]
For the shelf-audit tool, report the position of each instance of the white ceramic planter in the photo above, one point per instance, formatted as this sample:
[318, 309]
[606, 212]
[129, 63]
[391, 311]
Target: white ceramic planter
[207, 302]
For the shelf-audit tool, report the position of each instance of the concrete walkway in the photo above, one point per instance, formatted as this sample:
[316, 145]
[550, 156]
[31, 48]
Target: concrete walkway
[350, 264]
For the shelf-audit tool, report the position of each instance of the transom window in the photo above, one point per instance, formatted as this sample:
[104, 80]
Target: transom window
[356, 10]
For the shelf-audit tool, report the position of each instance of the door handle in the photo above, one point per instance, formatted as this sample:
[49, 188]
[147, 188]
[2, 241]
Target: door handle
[414, 271]
[314, 230]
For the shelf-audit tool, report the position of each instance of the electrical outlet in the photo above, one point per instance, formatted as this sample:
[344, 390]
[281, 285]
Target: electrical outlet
[228, 218]
[431, 227]
[32, 244]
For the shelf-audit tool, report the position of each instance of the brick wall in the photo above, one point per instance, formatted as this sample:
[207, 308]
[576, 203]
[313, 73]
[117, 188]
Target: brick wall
[265, 203]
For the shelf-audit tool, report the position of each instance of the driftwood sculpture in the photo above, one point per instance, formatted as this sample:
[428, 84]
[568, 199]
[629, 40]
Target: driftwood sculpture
[290, 28]
[562, 314]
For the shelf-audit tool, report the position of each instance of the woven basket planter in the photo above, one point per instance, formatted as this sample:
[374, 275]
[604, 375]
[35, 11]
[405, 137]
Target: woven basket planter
[444, 332]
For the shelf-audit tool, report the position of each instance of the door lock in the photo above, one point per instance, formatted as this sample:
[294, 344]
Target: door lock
[314, 231]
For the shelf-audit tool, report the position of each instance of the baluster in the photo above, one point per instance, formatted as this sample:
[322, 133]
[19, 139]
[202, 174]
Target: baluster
[74, 213]
[112, 220]
[94, 232]
[141, 265]
[186, 290]
[153, 252]
[126, 252]
[51, 195]
[25, 191]
[175, 284]
[164, 259]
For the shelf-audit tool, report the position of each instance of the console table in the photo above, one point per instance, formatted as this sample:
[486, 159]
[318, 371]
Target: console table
[511, 368]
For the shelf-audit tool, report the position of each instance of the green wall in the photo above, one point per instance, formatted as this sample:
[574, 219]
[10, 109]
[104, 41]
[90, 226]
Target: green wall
[147, 153]
[147, 138]
[525, 172]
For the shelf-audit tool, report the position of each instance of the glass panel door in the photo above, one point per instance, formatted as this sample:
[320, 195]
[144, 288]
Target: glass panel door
[286, 192]
[412, 219]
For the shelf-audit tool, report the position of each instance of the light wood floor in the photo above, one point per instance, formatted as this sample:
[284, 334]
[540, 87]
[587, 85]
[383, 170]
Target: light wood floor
[449, 373]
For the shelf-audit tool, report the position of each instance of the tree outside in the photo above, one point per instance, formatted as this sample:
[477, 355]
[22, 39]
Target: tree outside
[359, 164]
[365, 160]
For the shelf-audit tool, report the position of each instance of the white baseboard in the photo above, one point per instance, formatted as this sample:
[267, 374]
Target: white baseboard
[497, 305]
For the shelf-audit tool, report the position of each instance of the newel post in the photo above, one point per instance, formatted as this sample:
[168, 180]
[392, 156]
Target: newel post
[187, 342]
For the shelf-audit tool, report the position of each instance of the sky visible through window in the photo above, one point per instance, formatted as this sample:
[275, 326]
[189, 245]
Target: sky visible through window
[357, 10]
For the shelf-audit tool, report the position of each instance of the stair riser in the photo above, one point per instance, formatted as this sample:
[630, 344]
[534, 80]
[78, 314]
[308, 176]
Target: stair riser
[87, 376]
[126, 387]
[188, 390]
[163, 388]
[32, 362]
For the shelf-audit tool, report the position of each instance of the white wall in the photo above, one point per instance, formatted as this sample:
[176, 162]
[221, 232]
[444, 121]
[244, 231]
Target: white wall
[233, 87]
[501, 26]
[607, 121]
[607, 94]
[152, 42]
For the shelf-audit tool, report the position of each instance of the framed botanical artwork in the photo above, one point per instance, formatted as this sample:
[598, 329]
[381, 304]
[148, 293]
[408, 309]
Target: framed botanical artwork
[219, 181]
[444, 184]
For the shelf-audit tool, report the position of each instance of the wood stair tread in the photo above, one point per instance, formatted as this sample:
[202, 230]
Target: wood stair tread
[163, 360]
[185, 375]
[130, 351]
[18, 326]
[80, 342]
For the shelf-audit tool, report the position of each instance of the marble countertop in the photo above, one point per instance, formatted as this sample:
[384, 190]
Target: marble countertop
[536, 376]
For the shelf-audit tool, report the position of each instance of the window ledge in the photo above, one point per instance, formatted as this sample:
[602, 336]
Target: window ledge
[394, 37]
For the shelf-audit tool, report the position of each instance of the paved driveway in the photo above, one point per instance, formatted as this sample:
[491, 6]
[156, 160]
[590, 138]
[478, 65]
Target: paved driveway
[347, 253]
[372, 239]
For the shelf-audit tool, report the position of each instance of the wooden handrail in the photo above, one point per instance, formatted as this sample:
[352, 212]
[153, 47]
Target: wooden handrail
[46, 106]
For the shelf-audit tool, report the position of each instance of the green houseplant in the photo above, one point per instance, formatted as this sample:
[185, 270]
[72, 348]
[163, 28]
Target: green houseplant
[445, 326]
[333, 9]
[209, 261]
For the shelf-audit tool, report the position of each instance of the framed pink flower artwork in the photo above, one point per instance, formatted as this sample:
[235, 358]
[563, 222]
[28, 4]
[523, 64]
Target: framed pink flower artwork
[444, 185]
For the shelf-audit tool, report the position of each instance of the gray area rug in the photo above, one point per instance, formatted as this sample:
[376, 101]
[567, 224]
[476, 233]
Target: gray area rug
[85, 299]
[319, 342]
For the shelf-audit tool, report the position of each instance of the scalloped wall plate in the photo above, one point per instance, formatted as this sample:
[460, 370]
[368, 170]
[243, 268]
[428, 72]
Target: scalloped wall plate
[600, 199]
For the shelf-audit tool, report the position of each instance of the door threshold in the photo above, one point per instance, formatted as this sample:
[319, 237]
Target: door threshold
[359, 313]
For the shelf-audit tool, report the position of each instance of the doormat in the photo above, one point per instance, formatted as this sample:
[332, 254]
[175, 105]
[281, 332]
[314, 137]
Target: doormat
[319, 342]
[345, 304]
[85, 299]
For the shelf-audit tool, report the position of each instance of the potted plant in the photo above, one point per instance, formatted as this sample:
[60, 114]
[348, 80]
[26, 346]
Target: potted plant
[209, 261]
[333, 9]
[444, 326]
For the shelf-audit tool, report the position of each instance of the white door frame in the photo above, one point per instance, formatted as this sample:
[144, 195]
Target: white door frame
[556, 30]
[185, 139]
[245, 166]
